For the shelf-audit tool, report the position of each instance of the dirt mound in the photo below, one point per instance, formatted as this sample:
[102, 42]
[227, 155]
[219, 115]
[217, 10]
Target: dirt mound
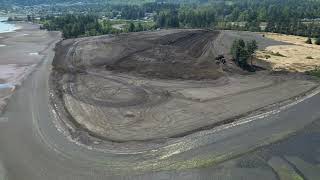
[166, 54]
[122, 108]
[184, 54]
[177, 55]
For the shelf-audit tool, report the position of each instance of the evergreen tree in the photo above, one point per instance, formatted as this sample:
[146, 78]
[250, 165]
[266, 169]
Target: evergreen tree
[252, 46]
[139, 27]
[317, 42]
[242, 51]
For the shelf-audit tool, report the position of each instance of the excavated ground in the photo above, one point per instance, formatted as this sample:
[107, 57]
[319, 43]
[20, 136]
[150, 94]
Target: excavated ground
[153, 86]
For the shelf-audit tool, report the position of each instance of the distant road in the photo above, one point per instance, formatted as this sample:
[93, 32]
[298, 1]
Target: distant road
[31, 148]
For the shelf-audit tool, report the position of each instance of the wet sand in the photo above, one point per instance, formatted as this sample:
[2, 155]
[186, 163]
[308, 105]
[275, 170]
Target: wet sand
[20, 52]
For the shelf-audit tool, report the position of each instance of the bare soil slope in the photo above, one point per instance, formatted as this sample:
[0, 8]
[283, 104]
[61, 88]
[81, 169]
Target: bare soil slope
[165, 54]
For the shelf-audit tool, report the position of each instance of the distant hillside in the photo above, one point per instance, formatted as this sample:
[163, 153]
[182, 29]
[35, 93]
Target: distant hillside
[239, 3]
[38, 2]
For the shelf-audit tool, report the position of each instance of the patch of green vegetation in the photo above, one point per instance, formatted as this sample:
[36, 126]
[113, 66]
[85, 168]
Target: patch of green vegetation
[243, 51]
[73, 26]
[315, 72]
[285, 173]
[136, 26]
[317, 42]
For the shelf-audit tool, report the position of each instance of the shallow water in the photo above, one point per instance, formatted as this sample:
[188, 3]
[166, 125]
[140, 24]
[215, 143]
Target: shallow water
[6, 27]
[6, 85]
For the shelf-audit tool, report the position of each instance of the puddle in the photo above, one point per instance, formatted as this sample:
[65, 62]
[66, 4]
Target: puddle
[7, 86]
[2, 45]
[34, 54]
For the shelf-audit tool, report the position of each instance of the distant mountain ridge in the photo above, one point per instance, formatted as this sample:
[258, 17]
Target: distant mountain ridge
[40, 2]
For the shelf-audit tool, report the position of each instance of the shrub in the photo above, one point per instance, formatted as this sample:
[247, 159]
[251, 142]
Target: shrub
[277, 54]
[309, 41]
[317, 41]
[315, 72]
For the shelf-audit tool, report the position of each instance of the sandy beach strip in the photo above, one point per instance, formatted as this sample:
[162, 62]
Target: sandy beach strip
[21, 50]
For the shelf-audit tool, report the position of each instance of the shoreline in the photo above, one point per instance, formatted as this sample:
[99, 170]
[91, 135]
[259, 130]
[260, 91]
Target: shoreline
[6, 22]
[22, 50]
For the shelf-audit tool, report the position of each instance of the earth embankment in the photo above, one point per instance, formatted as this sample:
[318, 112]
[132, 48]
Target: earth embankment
[152, 87]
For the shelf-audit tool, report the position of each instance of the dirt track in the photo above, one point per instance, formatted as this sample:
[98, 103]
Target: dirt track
[146, 86]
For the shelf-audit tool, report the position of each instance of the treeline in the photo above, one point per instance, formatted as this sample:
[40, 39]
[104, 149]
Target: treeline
[187, 17]
[73, 26]
[294, 17]
[282, 16]
[294, 27]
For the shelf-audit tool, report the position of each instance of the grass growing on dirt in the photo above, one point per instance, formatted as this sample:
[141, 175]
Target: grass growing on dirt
[315, 72]
[297, 56]
[276, 54]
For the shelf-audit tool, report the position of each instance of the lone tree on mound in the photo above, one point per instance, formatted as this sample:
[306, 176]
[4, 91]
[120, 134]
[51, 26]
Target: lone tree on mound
[241, 51]
[317, 41]
[309, 41]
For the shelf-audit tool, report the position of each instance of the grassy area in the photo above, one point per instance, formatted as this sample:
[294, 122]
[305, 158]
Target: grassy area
[296, 56]
[276, 54]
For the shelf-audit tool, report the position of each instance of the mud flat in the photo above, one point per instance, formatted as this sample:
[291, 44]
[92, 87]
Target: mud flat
[145, 89]
[21, 51]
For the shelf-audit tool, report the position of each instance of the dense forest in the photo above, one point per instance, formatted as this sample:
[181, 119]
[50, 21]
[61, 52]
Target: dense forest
[282, 16]
[297, 17]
